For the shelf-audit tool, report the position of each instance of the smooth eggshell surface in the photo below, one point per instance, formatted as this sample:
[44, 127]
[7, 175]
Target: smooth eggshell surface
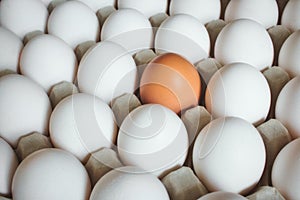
[8, 165]
[107, 71]
[229, 155]
[128, 28]
[222, 195]
[287, 108]
[285, 171]
[184, 35]
[172, 81]
[95, 5]
[291, 15]
[74, 22]
[247, 41]
[51, 174]
[26, 108]
[22, 17]
[289, 55]
[153, 138]
[203, 10]
[82, 124]
[129, 183]
[239, 90]
[147, 7]
[10, 49]
[48, 60]
[264, 12]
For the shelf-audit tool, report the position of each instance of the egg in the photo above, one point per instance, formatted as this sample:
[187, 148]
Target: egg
[285, 171]
[48, 60]
[291, 15]
[239, 90]
[95, 5]
[264, 12]
[46, 2]
[247, 41]
[128, 28]
[107, 71]
[222, 195]
[129, 183]
[287, 108]
[147, 7]
[10, 49]
[82, 124]
[8, 164]
[184, 35]
[22, 17]
[24, 108]
[289, 54]
[74, 22]
[172, 81]
[229, 155]
[153, 138]
[203, 10]
[51, 174]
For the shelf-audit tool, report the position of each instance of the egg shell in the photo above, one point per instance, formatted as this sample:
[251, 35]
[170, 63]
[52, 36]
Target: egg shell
[147, 7]
[95, 5]
[247, 41]
[128, 28]
[51, 174]
[129, 183]
[222, 195]
[291, 15]
[203, 10]
[74, 22]
[24, 108]
[287, 108]
[285, 171]
[229, 155]
[153, 138]
[82, 124]
[22, 17]
[9, 163]
[184, 35]
[170, 80]
[239, 90]
[264, 12]
[107, 71]
[10, 49]
[289, 54]
[48, 60]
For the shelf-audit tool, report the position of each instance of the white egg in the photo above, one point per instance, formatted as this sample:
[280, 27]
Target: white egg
[46, 2]
[74, 22]
[285, 171]
[264, 12]
[245, 40]
[222, 195]
[129, 183]
[48, 60]
[129, 28]
[24, 108]
[10, 49]
[153, 138]
[291, 15]
[147, 7]
[229, 155]
[289, 54]
[95, 5]
[107, 71]
[288, 107]
[185, 35]
[203, 10]
[51, 174]
[239, 90]
[82, 124]
[22, 17]
[8, 164]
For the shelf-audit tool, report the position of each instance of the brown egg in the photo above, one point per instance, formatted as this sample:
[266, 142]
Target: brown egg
[172, 81]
